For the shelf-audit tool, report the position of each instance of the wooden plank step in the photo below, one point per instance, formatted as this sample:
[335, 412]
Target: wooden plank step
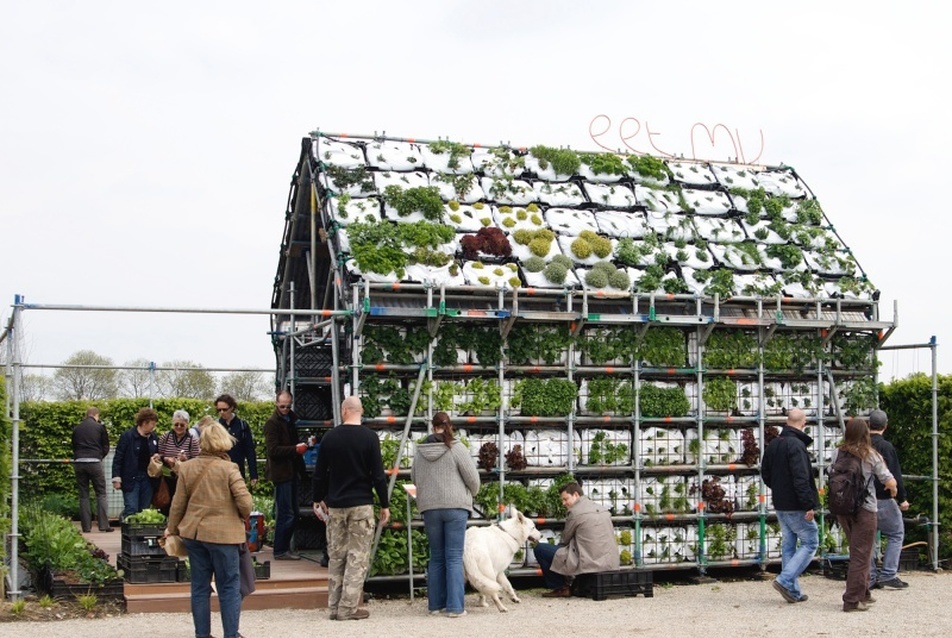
[180, 601]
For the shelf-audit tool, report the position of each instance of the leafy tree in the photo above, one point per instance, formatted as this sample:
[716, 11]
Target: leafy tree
[186, 379]
[246, 386]
[138, 382]
[35, 387]
[85, 383]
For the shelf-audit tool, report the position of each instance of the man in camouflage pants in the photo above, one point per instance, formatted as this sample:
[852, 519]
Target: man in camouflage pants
[349, 469]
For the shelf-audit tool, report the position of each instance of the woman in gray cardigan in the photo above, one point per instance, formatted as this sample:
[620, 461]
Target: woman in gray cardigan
[446, 479]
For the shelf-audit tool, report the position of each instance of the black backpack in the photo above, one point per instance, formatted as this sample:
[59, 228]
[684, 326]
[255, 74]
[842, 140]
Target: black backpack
[847, 490]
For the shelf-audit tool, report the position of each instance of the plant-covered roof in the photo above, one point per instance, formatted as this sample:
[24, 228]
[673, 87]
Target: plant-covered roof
[449, 213]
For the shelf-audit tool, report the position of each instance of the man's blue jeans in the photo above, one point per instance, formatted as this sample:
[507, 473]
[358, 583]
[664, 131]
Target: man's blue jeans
[284, 516]
[889, 522]
[445, 582]
[544, 553]
[221, 560]
[139, 497]
[799, 540]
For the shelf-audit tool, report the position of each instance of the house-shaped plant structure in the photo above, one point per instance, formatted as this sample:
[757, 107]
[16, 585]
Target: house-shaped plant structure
[641, 324]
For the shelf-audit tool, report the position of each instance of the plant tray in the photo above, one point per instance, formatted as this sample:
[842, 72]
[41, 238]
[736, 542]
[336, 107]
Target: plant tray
[600, 586]
[149, 570]
[59, 588]
[836, 566]
[909, 559]
[263, 570]
[139, 530]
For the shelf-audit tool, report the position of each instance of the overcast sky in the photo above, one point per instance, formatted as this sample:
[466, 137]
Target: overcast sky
[147, 150]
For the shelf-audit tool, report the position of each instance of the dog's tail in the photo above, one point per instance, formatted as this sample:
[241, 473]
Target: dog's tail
[476, 567]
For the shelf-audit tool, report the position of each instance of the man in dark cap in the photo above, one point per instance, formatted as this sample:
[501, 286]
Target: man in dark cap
[889, 513]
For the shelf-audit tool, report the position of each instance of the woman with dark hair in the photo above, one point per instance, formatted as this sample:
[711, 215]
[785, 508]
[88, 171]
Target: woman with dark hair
[861, 529]
[446, 479]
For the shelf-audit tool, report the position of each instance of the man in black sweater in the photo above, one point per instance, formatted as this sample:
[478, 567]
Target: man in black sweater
[889, 514]
[787, 471]
[349, 469]
[90, 447]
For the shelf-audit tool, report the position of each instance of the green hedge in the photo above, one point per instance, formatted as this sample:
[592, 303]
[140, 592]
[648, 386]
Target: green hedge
[908, 402]
[46, 434]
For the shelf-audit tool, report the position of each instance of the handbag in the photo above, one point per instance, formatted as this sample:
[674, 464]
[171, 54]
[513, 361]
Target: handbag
[246, 571]
[173, 545]
[161, 497]
[155, 467]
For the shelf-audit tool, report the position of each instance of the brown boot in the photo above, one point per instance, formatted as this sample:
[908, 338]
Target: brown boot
[359, 614]
[561, 592]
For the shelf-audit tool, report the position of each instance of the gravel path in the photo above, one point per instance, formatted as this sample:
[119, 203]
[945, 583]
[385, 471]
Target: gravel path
[728, 609]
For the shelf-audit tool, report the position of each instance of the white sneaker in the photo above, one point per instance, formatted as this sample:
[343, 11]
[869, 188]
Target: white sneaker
[435, 612]
[456, 614]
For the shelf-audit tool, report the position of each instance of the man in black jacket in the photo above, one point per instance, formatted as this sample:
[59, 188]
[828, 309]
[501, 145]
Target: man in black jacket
[90, 447]
[889, 514]
[283, 466]
[787, 471]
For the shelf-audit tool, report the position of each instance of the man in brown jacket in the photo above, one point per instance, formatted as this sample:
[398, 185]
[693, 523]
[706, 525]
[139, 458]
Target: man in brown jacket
[587, 544]
[282, 468]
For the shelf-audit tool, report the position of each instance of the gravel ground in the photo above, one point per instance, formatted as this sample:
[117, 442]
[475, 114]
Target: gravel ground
[729, 609]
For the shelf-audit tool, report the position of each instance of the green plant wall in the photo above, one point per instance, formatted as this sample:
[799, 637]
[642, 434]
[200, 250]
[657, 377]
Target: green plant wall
[46, 433]
[908, 402]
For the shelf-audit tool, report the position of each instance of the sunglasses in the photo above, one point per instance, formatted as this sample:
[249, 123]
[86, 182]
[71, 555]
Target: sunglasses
[223, 409]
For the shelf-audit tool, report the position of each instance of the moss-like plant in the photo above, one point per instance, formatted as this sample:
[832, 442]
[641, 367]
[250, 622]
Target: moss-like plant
[564, 161]
[596, 278]
[534, 264]
[649, 166]
[619, 279]
[555, 272]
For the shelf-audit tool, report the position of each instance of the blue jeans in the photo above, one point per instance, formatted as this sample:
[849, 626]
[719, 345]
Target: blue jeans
[284, 506]
[139, 497]
[445, 582]
[544, 553]
[794, 529]
[221, 560]
[889, 522]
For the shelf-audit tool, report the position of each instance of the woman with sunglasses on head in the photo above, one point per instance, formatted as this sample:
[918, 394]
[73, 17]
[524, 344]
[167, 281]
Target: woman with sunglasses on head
[177, 446]
[244, 449]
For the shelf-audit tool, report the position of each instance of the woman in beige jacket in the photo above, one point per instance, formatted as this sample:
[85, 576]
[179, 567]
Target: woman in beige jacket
[208, 511]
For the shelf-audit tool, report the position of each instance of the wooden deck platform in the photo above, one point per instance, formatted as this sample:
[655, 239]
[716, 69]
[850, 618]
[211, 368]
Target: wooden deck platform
[299, 584]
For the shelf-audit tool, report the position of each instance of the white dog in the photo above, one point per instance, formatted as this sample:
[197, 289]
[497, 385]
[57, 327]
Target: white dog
[488, 551]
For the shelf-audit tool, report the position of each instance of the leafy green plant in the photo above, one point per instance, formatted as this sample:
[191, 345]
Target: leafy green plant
[663, 347]
[609, 395]
[545, 397]
[422, 199]
[793, 351]
[731, 349]
[18, 607]
[720, 394]
[648, 166]
[482, 395]
[658, 402]
[604, 451]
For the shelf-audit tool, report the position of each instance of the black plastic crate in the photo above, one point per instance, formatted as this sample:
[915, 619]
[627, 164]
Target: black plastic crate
[142, 540]
[909, 559]
[309, 533]
[149, 570]
[313, 402]
[313, 361]
[601, 585]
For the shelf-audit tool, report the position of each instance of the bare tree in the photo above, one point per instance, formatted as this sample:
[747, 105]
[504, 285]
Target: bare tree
[84, 383]
[246, 386]
[186, 379]
[35, 387]
[137, 383]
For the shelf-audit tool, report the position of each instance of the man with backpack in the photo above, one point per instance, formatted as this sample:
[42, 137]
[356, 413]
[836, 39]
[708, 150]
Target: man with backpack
[889, 509]
[787, 471]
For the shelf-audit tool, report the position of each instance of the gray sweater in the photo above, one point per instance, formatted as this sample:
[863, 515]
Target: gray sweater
[445, 477]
